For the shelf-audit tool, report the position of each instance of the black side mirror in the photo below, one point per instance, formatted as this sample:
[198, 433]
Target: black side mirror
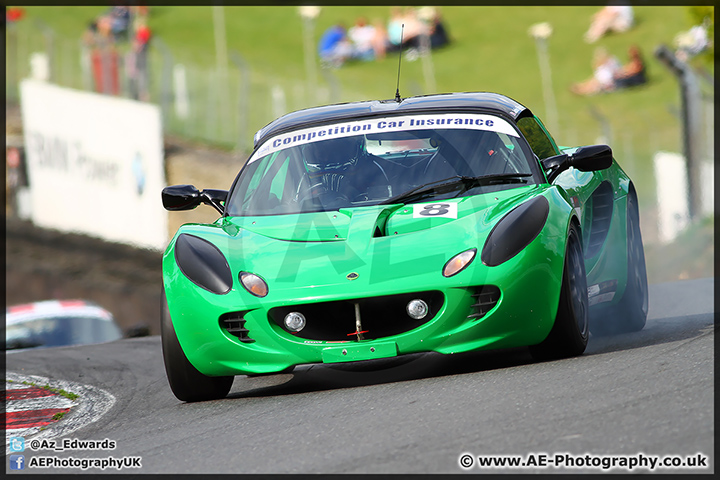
[590, 158]
[187, 197]
[180, 197]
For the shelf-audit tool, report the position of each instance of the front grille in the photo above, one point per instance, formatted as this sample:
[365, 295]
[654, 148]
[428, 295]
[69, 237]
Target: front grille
[234, 324]
[485, 297]
[380, 316]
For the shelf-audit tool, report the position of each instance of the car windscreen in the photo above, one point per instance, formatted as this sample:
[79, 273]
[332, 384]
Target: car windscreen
[368, 162]
[60, 331]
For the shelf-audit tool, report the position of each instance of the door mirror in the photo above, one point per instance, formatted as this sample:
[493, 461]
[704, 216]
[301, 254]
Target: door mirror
[180, 197]
[590, 158]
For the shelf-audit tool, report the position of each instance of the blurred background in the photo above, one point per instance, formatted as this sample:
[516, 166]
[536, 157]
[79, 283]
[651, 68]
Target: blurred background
[204, 79]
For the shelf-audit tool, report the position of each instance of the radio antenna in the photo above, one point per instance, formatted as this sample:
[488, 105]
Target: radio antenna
[397, 90]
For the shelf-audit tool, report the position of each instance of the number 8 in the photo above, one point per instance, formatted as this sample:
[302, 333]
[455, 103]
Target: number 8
[434, 209]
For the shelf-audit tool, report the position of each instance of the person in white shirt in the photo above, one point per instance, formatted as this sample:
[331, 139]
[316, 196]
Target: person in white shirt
[612, 18]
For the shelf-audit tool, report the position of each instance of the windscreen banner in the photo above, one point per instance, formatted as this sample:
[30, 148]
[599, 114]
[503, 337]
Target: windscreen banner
[95, 164]
[385, 125]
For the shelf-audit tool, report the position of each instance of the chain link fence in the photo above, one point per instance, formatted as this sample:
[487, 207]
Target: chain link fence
[224, 107]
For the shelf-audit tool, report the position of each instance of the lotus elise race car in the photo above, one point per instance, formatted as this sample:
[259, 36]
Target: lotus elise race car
[443, 223]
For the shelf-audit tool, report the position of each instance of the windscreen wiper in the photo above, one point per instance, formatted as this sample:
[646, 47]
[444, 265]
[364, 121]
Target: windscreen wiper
[451, 183]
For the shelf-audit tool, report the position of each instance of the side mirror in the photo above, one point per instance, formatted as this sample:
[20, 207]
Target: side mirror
[590, 158]
[187, 197]
[180, 197]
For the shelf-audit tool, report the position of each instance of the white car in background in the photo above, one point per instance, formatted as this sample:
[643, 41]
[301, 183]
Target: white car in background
[55, 323]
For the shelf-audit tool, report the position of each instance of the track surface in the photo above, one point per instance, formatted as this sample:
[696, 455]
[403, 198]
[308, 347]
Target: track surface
[649, 392]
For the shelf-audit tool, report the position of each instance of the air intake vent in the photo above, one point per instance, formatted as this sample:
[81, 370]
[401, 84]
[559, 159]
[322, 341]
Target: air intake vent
[486, 297]
[234, 324]
[602, 208]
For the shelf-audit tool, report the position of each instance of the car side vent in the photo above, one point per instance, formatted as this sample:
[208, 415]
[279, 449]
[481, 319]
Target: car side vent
[234, 324]
[486, 297]
[602, 208]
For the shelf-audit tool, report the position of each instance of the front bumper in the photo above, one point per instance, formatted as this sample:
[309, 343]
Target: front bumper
[523, 315]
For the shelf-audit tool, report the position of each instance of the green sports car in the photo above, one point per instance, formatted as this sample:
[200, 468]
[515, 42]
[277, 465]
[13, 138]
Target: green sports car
[443, 223]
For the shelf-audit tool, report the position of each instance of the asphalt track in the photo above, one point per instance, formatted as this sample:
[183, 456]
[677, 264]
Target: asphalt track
[649, 393]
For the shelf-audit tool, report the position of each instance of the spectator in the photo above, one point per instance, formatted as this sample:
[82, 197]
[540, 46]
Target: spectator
[612, 18]
[410, 33]
[105, 59]
[692, 42]
[605, 67]
[120, 22]
[138, 69]
[362, 36]
[334, 46]
[632, 73]
[435, 26]
[13, 14]
[395, 26]
[90, 34]
[380, 41]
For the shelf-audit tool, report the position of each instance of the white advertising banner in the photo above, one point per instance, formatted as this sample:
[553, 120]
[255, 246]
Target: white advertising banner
[95, 164]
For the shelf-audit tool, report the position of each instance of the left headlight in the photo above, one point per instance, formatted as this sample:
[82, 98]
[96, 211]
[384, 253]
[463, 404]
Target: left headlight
[459, 262]
[203, 264]
[253, 284]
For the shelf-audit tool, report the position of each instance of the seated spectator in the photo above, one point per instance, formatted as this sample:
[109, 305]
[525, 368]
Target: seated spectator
[410, 33]
[362, 36]
[612, 18]
[334, 46]
[438, 33]
[380, 41]
[692, 42]
[605, 67]
[633, 72]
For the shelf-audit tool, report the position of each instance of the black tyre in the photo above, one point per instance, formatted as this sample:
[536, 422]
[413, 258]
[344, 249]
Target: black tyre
[186, 382]
[569, 335]
[630, 314]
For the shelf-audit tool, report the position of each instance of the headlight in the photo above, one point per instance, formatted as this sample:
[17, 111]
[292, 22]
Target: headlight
[515, 231]
[203, 264]
[254, 284]
[458, 263]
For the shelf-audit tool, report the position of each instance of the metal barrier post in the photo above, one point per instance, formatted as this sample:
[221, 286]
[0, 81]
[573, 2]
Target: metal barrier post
[691, 123]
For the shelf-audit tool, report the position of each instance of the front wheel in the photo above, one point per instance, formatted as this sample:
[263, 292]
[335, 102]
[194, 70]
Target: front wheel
[570, 333]
[186, 382]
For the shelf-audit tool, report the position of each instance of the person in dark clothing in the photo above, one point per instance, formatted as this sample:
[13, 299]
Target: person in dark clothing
[632, 73]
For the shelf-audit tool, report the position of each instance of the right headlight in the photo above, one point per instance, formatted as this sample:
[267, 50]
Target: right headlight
[515, 231]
